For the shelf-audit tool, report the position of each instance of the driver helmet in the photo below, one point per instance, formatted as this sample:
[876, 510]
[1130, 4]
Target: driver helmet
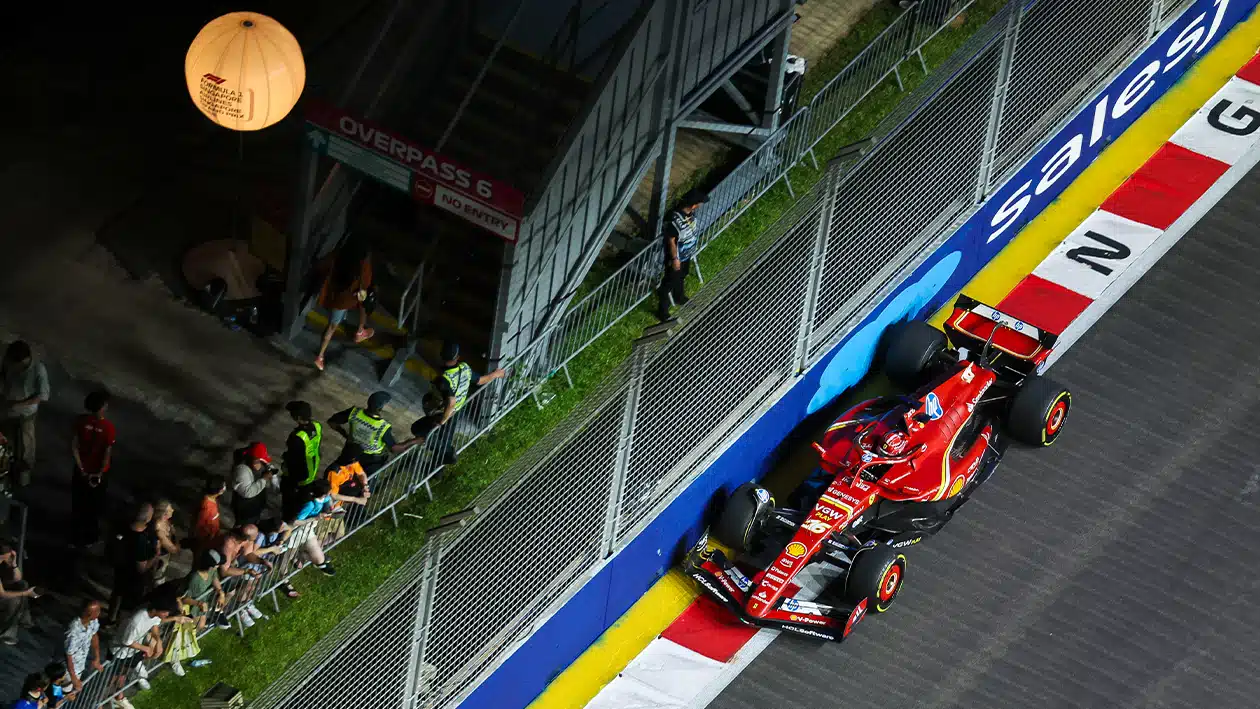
[893, 443]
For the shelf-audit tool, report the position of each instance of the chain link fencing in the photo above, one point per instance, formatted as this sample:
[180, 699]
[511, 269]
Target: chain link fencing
[474, 594]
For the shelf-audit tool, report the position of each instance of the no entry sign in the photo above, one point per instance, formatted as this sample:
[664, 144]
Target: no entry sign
[428, 176]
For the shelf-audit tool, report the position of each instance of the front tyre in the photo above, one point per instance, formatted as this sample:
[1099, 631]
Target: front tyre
[1038, 412]
[876, 576]
[742, 516]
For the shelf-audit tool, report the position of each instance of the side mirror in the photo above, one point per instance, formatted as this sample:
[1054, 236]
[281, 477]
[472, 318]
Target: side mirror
[922, 418]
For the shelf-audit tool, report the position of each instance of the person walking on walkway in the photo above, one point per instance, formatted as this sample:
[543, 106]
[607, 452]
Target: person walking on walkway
[92, 447]
[681, 242]
[346, 284]
[25, 382]
[301, 458]
[369, 437]
[447, 395]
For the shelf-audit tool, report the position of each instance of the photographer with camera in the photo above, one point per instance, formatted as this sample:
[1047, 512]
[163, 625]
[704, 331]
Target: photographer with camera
[254, 473]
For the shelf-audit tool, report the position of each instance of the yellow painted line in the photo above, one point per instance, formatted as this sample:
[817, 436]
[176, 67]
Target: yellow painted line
[620, 644]
[666, 600]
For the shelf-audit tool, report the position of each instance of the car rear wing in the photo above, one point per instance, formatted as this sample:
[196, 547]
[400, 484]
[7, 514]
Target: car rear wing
[974, 325]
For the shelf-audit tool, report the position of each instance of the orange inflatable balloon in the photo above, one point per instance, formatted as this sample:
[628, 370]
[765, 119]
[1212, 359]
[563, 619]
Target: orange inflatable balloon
[245, 71]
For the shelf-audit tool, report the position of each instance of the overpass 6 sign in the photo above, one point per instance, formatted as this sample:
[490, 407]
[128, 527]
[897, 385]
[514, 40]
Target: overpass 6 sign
[429, 177]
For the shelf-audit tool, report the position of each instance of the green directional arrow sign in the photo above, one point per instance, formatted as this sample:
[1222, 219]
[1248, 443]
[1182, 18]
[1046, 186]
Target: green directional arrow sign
[355, 156]
[317, 138]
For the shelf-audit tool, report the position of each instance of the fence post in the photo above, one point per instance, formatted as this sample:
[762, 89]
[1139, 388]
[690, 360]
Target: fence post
[420, 629]
[989, 157]
[816, 263]
[1157, 14]
[621, 466]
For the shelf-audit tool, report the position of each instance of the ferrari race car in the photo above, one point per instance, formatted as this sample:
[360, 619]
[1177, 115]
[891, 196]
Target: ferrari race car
[893, 471]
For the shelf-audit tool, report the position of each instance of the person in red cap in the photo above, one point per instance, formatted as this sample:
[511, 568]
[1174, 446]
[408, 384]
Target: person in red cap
[254, 473]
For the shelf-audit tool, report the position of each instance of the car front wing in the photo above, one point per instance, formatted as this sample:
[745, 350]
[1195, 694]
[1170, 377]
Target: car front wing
[728, 586]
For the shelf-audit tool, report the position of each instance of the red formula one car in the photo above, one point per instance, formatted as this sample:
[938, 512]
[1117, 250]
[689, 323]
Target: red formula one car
[893, 471]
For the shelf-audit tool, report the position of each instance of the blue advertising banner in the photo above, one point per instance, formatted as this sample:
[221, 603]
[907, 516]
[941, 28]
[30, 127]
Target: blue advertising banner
[610, 592]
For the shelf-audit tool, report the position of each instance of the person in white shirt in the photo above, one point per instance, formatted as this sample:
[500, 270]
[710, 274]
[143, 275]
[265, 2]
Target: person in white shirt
[82, 639]
[141, 639]
[250, 480]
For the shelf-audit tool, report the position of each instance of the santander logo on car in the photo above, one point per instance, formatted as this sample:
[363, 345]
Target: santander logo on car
[1194, 38]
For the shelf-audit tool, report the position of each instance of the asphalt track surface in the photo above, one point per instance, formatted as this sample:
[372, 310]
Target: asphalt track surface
[1120, 568]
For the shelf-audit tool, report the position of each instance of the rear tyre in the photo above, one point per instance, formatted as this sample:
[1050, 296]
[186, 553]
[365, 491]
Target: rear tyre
[1038, 412]
[742, 516]
[876, 576]
[913, 348]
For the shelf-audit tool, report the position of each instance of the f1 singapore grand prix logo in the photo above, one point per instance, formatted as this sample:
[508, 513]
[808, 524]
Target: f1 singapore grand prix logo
[1194, 38]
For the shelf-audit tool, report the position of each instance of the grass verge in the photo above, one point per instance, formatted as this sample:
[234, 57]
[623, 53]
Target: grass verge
[365, 560]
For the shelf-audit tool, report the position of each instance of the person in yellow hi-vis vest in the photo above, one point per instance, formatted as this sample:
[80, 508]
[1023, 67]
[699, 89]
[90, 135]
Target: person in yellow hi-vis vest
[301, 457]
[447, 395]
[369, 437]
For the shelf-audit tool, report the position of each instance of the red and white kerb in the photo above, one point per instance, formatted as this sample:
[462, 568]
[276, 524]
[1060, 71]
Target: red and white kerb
[1096, 253]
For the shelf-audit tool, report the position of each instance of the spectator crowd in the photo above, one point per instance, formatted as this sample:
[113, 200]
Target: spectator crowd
[254, 527]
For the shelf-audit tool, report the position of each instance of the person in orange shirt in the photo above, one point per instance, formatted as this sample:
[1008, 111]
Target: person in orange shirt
[347, 279]
[206, 532]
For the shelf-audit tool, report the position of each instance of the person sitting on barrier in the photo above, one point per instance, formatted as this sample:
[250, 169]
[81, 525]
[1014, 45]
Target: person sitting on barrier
[369, 437]
[304, 535]
[239, 552]
[447, 394]
[204, 591]
[682, 241]
[349, 484]
[140, 639]
[272, 543]
[332, 523]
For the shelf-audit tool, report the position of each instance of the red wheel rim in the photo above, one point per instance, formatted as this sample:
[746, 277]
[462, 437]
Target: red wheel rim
[888, 586]
[1055, 420]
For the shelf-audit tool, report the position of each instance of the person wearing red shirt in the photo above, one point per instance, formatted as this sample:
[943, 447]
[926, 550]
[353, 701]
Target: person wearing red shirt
[206, 533]
[92, 445]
